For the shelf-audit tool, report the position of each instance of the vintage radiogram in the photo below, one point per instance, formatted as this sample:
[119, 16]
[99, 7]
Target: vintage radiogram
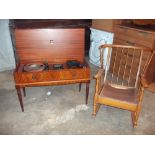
[50, 56]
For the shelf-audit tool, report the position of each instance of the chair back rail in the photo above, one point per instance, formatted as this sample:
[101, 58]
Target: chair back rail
[124, 64]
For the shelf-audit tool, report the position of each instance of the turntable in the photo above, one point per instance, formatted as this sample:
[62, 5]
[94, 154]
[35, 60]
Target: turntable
[34, 67]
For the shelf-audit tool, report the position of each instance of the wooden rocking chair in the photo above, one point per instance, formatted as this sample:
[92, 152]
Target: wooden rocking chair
[118, 81]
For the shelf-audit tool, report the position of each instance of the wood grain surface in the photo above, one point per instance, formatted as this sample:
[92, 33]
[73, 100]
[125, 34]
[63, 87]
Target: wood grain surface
[51, 45]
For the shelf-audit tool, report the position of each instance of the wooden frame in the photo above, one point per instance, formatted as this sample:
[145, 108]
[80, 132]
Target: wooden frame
[125, 91]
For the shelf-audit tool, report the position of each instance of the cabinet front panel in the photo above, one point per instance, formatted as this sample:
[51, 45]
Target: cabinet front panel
[51, 76]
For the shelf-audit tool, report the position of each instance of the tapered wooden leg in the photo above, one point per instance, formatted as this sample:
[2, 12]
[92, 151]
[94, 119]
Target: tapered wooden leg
[80, 86]
[20, 98]
[135, 116]
[87, 92]
[134, 121]
[24, 91]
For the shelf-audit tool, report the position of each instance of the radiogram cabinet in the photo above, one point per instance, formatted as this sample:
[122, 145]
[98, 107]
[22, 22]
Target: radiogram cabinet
[50, 47]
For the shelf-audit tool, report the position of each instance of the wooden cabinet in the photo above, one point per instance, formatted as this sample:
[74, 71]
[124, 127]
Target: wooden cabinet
[134, 36]
[105, 24]
[51, 47]
[148, 78]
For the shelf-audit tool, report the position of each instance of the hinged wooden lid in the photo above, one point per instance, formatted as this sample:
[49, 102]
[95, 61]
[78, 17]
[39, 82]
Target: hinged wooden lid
[50, 45]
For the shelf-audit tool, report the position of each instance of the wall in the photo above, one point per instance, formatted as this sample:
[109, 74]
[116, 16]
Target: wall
[7, 61]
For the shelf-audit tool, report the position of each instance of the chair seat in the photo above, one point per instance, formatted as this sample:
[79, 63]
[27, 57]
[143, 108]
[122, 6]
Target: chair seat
[120, 94]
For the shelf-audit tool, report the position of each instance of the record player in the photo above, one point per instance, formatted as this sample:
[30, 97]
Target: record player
[46, 57]
[34, 67]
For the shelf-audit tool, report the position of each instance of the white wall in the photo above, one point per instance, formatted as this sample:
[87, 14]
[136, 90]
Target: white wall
[7, 60]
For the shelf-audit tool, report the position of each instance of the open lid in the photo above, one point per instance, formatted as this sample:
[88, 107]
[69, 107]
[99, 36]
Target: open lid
[50, 45]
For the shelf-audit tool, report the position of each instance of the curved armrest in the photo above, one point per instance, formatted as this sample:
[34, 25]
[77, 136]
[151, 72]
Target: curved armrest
[140, 88]
[98, 75]
[144, 82]
[98, 80]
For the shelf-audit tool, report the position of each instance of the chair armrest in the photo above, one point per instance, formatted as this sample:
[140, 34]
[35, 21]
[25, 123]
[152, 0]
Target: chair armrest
[99, 80]
[99, 74]
[140, 88]
[144, 82]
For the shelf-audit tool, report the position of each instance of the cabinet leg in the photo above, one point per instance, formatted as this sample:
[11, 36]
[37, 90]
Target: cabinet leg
[20, 98]
[24, 91]
[80, 86]
[87, 92]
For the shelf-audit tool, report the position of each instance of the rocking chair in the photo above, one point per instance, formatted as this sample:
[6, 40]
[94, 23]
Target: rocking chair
[118, 81]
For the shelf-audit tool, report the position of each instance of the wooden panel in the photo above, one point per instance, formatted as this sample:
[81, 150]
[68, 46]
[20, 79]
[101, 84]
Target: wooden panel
[106, 24]
[52, 45]
[149, 73]
[103, 24]
[135, 36]
[51, 77]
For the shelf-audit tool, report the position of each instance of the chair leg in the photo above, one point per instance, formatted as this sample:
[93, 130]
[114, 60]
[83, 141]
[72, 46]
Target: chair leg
[80, 86]
[96, 107]
[87, 92]
[20, 98]
[135, 116]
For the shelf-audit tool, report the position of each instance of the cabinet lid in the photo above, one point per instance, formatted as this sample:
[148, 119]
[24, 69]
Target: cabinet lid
[50, 45]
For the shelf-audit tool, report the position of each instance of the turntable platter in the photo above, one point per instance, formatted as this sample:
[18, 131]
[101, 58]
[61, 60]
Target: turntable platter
[32, 67]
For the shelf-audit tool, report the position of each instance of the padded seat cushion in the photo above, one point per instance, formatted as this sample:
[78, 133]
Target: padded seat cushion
[128, 95]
